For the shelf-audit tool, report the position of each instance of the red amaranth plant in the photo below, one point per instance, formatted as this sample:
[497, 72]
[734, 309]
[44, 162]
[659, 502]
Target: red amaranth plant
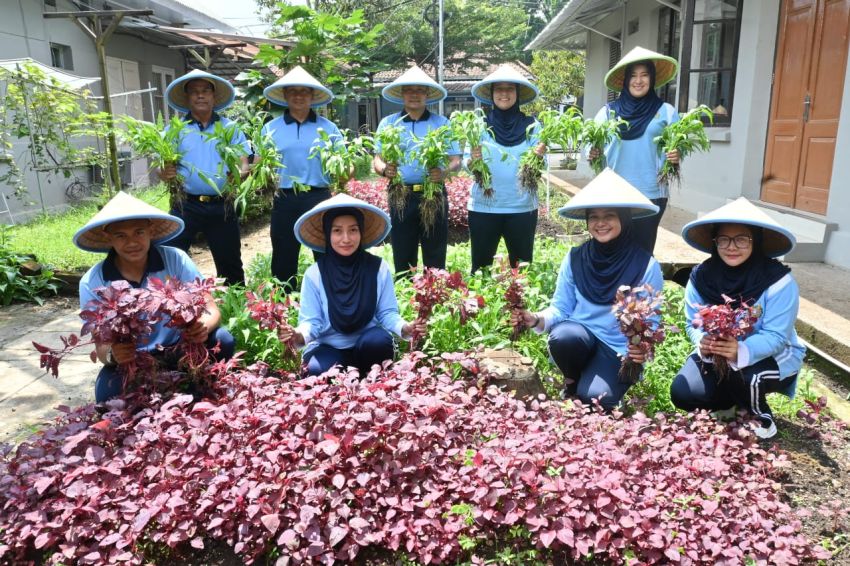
[638, 312]
[437, 286]
[514, 293]
[273, 315]
[724, 321]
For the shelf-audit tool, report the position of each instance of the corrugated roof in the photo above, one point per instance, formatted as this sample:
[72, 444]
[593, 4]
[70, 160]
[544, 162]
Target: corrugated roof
[563, 32]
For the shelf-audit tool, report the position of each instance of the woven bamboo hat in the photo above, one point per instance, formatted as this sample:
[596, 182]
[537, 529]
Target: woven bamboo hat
[504, 74]
[309, 231]
[665, 68]
[777, 241]
[322, 95]
[93, 236]
[177, 98]
[414, 76]
[608, 190]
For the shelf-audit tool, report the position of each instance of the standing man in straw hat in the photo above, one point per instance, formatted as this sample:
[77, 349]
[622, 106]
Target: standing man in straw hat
[415, 90]
[635, 156]
[303, 183]
[131, 233]
[201, 96]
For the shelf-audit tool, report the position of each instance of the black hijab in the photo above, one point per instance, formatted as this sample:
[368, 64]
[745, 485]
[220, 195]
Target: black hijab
[638, 112]
[599, 269]
[350, 282]
[713, 278]
[509, 126]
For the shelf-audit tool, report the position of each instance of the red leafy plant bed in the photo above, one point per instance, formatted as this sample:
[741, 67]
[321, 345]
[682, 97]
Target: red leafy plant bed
[408, 460]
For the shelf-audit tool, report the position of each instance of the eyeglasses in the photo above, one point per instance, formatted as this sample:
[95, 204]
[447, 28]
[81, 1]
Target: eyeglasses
[741, 242]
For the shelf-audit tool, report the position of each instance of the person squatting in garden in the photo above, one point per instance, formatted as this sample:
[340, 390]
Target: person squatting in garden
[303, 183]
[348, 303]
[201, 96]
[131, 233]
[415, 90]
[585, 341]
[743, 242]
[510, 212]
[635, 156]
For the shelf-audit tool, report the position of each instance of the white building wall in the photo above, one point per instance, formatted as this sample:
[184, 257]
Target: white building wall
[838, 211]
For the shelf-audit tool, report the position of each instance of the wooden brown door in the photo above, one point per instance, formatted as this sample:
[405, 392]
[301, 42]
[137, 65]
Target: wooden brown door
[808, 84]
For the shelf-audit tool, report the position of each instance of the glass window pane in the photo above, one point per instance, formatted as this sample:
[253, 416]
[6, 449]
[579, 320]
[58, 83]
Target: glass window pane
[715, 9]
[713, 45]
[714, 89]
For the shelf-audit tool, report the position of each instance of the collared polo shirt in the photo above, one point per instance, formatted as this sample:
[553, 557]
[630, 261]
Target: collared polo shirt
[295, 142]
[163, 261]
[200, 155]
[411, 171]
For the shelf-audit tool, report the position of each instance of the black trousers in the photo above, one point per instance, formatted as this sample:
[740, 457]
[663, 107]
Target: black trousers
[645, 230]
[219, 224]
[486, 229]
[407, 232]
[288, 207]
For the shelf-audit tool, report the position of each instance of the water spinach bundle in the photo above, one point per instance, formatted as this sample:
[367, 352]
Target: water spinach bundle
[341, 156]
[468, 129]
[432, 151]
[530, 163]
[597, 135]
[264, 176]
[685, 136]
[388, 139]
[230, 166]
[160, 145]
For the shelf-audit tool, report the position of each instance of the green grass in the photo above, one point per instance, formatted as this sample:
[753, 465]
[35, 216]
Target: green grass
[50, 237]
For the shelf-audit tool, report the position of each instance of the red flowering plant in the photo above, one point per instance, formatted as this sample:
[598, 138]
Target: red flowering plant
[515, 282]
[638, 312]
[433, 286]
[725, 321]
[274, 314]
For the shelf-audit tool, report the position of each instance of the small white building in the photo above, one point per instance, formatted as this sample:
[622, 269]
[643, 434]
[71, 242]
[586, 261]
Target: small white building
[775, 73]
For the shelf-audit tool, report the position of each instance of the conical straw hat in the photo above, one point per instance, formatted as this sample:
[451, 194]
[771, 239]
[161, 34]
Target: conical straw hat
[665, 68]
[504, 74]
[93, 237]
[309, 231]
[778, 241]
[608, 190]
[298, 77]
[176, 96]
[414, 76]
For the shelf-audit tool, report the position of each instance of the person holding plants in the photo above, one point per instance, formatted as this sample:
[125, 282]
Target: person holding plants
[202, 206]
[743, 242]
[348, 303]
[635, 156]
[584, 336]
[303, 182]
[506, 210]
[131, 233]
[415, 90]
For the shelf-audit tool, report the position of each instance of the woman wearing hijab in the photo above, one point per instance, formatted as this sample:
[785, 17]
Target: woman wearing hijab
[635, 156]
[743, 242]
[348, 303]
[584, 337]
[509, 212]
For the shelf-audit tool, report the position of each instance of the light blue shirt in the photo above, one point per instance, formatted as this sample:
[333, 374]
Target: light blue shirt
[638, 161]
[569, 304]
[200, 155]
[314, 322]
[295, 142]
[508, 195]
[170, 262]
[774, 333]
[411, 171]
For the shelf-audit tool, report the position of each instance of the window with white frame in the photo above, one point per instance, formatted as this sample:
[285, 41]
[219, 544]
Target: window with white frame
[60, 57]
[161, 77]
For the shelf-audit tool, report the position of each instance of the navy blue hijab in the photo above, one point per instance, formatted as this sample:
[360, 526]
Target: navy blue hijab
[350, 282]
[745, 283]
[638, 112]
[600, 269]
[509, 126]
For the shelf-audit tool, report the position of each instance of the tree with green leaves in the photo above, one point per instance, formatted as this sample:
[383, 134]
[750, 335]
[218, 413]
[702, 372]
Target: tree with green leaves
[560, 74]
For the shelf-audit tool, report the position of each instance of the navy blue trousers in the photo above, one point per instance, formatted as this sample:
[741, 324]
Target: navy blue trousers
[645, 230]
[407, 232]
[219, 224]
[287, 209]
[110, 382]
[373, 347]
[487, 228]
[589, 363]
[696, 387]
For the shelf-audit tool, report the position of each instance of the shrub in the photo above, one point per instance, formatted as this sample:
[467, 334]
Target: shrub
[14, 285]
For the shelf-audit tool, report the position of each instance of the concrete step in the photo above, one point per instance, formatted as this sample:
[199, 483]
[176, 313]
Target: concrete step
[811, 230]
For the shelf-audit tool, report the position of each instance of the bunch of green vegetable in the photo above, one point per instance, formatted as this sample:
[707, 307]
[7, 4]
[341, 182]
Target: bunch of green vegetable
[264, 174]
[531, 163]
[160, 145]
[341, 156]
[598, 135]
[230, 166]
[685, 136]
[468, 128]
[388, 139]
[431, 152]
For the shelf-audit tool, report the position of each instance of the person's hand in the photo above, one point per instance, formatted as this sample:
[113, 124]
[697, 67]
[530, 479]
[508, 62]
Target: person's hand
[418, 326]
[286, 333]
[673, 157]
[723, 347]
[390, 171]
[475, 153]
[636, 354]
[594, 153]
[437, 175]
[168, 172]
[196, 333]
[123, 352]
[541, 149]
[525, 318]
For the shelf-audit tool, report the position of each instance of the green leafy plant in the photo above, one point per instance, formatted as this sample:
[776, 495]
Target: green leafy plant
[431, 152]
[468, 128]
[556, 128]
[258, 188]
[388, 139]
[230, 166]
[342, 156]
[160, 145]
[14, 285]
[686, 136]
[597, 135]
